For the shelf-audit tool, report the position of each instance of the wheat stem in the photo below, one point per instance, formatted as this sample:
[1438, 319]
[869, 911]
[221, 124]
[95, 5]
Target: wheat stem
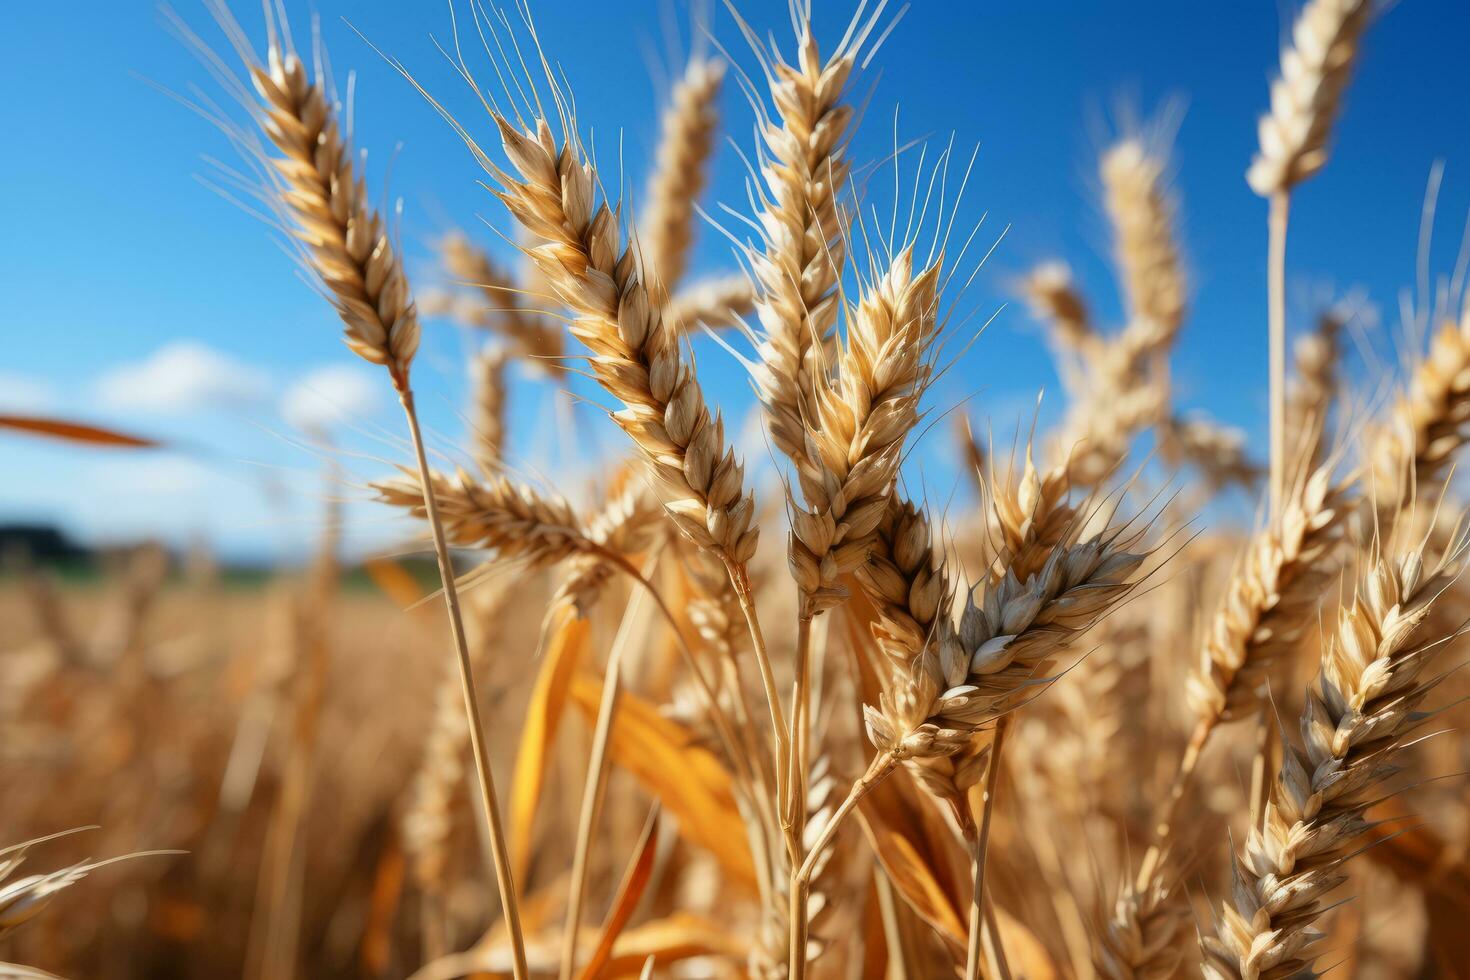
[795, 805]
[878, 770]
[503, 877]
[1164, 827]
[978, 850]
[594, 788]
[1276, 298]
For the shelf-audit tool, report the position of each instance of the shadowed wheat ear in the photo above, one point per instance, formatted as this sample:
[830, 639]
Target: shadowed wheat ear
[1145, 937]
[686, 142]
[629, 523]
[717, 302]
[487, 416]
[1359, 714]
[1431, 420]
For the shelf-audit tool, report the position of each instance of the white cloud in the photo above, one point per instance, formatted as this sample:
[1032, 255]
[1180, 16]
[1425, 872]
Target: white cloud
[181, 377]
[330, 396]
[22, 394]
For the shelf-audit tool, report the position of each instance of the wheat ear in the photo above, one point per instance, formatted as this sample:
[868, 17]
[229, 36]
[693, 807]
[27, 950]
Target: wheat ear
[619, 315]
[1265, 609]
[506, 308]
[1358, 716]
[349, 249]
[1142, 214]
[1305, 101]
[487, 416]
[967, 676]
[798, 270]
[686, 142]
[712, 303]
[512, 520]
[855, 434]
[1306, 98]
[1144, 938]
[636, 357]
[1430, 421]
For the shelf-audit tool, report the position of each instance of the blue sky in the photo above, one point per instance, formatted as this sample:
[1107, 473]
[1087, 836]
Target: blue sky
[139, 298]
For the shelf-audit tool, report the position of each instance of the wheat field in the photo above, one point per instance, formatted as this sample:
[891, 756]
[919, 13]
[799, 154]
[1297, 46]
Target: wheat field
[709, 718]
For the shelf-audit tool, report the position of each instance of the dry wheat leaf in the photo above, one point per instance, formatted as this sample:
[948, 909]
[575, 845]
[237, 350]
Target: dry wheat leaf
[629, 894]
[543, 719]
[667, 761]
[394, 581]
[91, 435]
[678, 936]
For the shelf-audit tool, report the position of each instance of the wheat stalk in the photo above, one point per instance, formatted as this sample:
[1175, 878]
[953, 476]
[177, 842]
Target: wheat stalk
[1293, 146]
[1358, 716]
[686, 142]
[348, 247]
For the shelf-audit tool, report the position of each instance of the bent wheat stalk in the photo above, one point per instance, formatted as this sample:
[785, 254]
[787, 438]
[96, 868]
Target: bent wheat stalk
[348, 247]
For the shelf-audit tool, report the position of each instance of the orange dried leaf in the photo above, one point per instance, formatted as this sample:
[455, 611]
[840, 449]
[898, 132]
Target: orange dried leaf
[629, 894]
[91, 435]
[691, 783]
[538, 733]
